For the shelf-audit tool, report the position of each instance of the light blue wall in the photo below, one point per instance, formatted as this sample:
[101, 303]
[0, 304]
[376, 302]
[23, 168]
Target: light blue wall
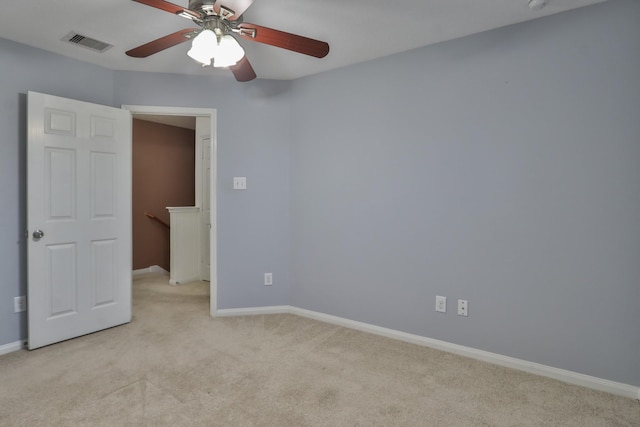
[23, 69]
[500, 168]
[253, 141]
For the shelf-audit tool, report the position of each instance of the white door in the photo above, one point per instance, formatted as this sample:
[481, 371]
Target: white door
[79, 218]
[205, 211]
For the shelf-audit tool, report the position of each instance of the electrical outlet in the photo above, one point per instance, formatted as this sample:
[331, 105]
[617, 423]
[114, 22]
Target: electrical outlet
[441, 304]
[268, 279]
[463, 307]
[240, 183]
[19, 304]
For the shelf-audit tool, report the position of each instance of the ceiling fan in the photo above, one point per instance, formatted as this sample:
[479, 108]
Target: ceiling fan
[213, 43]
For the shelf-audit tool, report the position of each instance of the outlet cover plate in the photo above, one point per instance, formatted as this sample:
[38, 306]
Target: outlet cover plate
[240, 183]
[441, 304]
[19, 304]
[463, 307]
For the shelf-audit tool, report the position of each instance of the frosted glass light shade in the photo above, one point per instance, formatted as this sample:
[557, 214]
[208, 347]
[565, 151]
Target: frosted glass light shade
[224, 52]
[229, 52]
[203, 48]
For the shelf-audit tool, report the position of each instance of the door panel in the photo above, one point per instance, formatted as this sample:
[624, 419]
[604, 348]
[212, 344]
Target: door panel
[79, 196]
[103, 267]
[62, 279]
[103, 183]
[60, 183]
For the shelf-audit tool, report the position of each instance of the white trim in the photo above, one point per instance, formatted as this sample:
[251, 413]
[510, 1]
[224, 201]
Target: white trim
[150, 269]
[563, 375]
[12, 346]
[169, 111]
[183, 209]
[210, 113]
[158, 269]
[184, 252]
[253, 311]
[204, 172]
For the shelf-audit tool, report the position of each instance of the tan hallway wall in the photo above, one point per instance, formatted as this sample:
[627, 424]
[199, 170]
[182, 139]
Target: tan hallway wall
[163, 175]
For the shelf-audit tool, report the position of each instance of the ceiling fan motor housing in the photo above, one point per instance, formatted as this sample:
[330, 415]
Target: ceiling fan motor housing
[201, 5]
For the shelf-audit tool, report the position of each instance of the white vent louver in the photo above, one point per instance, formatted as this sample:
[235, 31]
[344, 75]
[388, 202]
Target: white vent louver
[88, 42]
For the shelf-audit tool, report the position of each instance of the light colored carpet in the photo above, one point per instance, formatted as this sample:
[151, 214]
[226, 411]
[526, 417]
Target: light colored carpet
[175, 366]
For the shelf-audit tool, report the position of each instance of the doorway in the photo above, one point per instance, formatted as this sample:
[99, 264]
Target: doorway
[205, 189]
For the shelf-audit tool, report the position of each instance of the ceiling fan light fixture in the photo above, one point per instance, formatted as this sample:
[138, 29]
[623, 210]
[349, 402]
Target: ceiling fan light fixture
[213, 44]
[228, 53]
[203, 47]
[208, 48]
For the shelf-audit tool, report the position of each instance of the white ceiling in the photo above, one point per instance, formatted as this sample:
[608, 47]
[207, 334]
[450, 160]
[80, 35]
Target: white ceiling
[356, 30]
[187, 122]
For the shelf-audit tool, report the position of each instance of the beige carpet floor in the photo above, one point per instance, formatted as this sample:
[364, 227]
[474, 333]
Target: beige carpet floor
[175, 366]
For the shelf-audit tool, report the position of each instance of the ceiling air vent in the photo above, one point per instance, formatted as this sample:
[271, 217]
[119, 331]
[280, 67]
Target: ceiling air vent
[88, 42]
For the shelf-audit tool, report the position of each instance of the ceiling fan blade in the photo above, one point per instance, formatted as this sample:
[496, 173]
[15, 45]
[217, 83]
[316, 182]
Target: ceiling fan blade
[160, 44]
[289, 41]
[237, 6]
[243, 71]
[163, 5]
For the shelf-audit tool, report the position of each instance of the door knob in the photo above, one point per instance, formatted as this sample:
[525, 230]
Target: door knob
[38, 234]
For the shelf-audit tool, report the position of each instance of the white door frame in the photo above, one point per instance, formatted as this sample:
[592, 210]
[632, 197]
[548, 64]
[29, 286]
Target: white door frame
[213, 233]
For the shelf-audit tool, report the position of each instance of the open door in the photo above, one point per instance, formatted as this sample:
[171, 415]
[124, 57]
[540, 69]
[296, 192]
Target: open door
[79, 218]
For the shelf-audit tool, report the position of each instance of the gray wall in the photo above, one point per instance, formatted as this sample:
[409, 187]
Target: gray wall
[500, 168]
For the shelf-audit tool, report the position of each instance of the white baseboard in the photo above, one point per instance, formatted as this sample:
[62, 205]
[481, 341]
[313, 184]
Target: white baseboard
[12, 346]
[570, 377]
[151, 269]
[253, 311]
